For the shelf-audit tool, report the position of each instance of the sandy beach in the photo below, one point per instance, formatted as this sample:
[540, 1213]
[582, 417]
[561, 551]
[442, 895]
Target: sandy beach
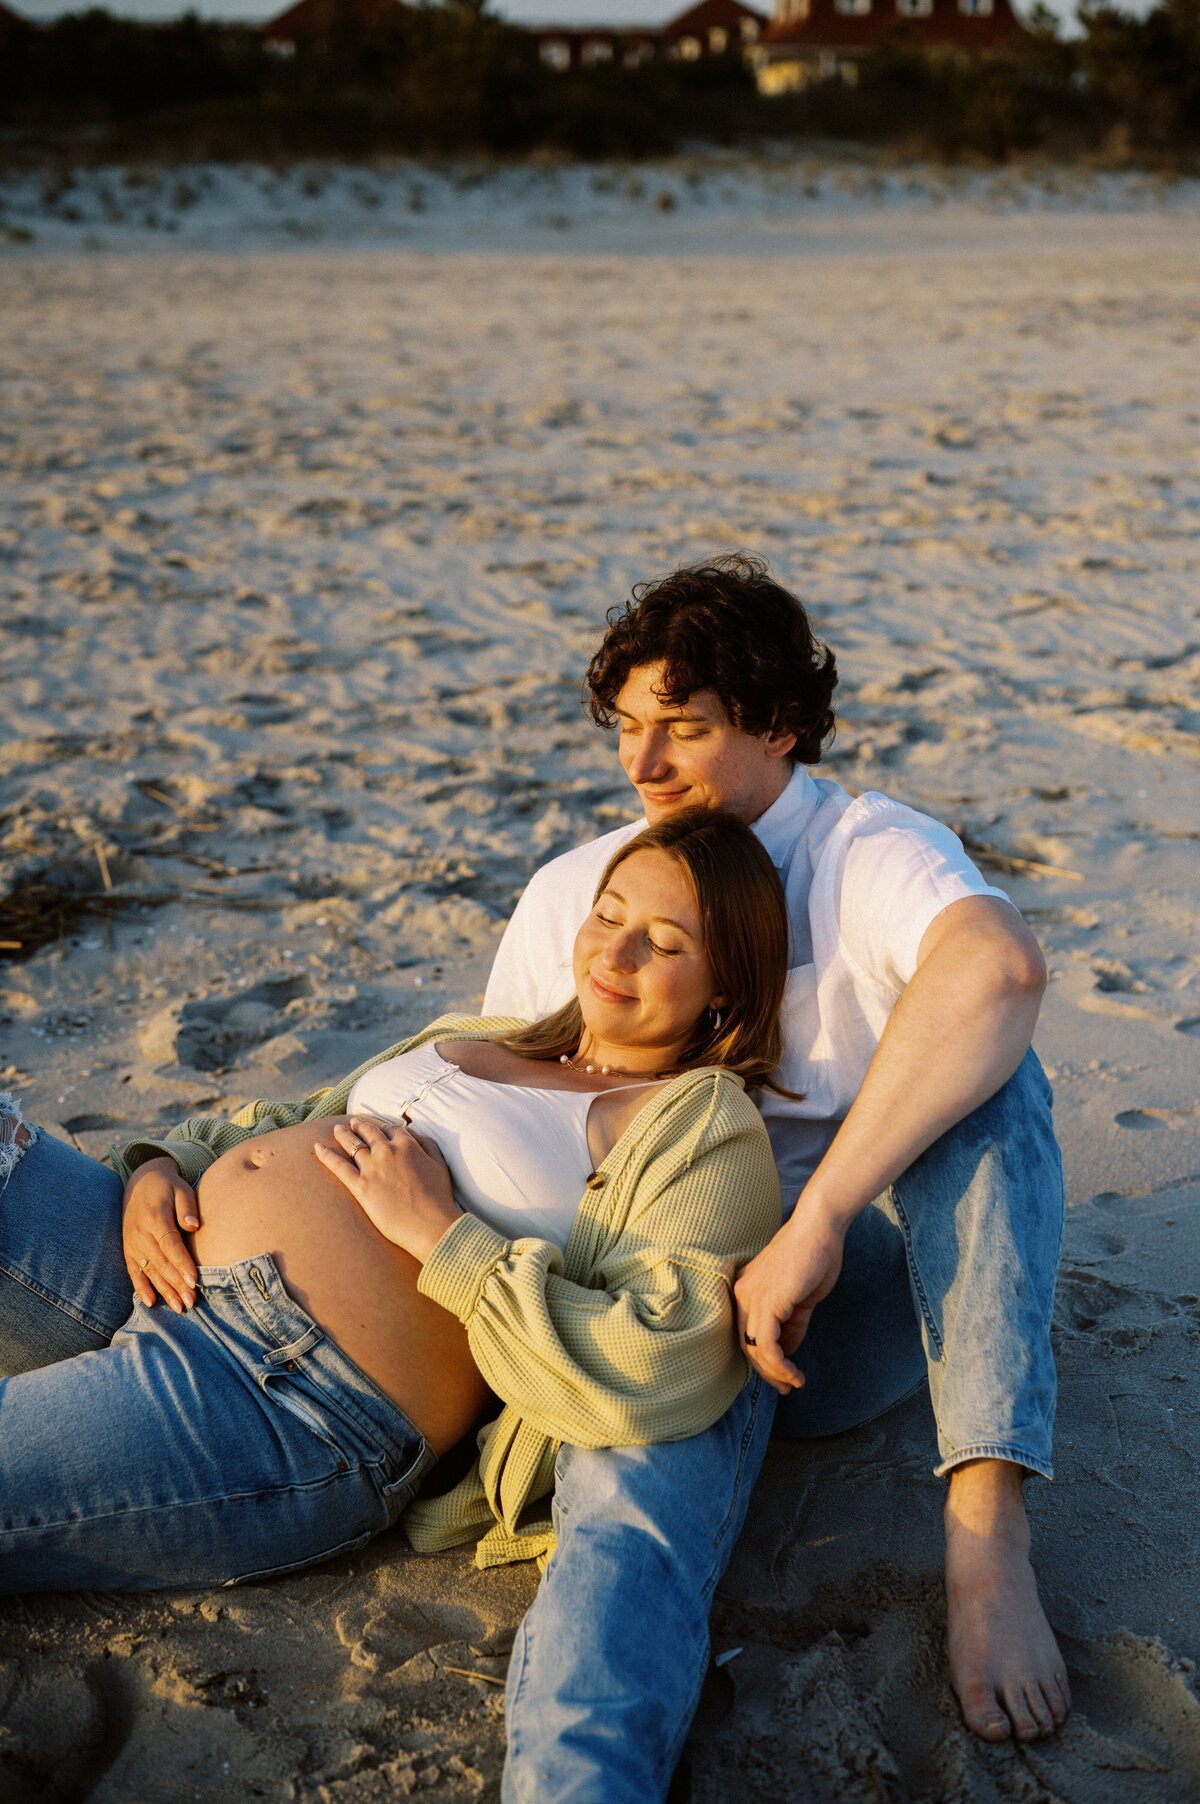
[304, 540]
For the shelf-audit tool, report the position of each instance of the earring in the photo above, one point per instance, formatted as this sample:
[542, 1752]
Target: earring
[714, 1019]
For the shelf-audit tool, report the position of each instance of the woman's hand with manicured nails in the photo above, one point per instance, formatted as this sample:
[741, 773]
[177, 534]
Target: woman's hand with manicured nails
[399, 1179]
[157, 1205]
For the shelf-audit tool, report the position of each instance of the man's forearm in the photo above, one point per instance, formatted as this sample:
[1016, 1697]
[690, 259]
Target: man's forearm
[959, 1031]
[957, 1034]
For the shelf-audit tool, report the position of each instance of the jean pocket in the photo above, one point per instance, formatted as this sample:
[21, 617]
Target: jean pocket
[284, 1392]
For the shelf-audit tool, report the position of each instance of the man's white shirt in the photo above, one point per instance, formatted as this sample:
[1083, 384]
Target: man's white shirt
[863, 877]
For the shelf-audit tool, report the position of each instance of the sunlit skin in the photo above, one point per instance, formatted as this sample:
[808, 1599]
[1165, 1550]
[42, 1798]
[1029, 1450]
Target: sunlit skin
[692, 756]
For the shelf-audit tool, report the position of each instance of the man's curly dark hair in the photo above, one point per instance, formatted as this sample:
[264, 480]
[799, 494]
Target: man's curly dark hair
[730, 627]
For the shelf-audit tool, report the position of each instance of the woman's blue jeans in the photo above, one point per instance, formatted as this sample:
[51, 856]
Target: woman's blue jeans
[948, 1278]
[149, 1449]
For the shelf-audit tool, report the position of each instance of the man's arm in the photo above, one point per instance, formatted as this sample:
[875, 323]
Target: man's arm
[959, 1031]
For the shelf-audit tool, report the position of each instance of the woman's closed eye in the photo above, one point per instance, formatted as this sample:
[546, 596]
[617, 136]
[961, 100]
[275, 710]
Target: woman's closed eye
[663, 951]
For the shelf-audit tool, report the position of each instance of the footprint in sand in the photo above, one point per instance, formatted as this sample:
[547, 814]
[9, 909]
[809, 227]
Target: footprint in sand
[62, 1728]
[1159, 1118]
[213, 1033]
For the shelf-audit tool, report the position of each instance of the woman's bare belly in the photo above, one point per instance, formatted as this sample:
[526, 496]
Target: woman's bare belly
[270, 1195]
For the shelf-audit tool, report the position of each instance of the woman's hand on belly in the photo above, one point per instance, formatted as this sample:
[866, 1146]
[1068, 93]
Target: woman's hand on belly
[156, 1206]
[269, 1195]
[399, 1179]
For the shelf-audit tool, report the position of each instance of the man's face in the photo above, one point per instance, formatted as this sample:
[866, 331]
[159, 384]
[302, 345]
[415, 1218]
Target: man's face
[692, 755]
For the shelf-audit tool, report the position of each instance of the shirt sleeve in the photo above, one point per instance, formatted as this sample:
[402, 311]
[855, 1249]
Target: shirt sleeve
[899, 874]
[519, 977]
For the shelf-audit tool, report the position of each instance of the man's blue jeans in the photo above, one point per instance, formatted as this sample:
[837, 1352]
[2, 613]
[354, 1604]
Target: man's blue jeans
[948, 1277]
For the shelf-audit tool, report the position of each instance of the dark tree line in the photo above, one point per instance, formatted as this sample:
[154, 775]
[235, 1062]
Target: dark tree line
[449, 78]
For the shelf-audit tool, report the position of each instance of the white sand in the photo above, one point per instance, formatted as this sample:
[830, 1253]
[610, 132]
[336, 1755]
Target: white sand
[303, 553]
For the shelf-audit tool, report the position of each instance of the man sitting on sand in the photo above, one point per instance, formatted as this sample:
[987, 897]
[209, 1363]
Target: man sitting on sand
[927, 1188]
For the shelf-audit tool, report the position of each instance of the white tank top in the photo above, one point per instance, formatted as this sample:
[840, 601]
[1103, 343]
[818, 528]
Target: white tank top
[518, 1156]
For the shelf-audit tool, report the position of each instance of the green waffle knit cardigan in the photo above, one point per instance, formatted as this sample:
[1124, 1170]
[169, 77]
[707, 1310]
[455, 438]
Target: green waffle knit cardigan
[625, 1336]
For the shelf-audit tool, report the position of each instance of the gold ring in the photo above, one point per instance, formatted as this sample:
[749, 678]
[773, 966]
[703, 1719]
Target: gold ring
[145, 1263]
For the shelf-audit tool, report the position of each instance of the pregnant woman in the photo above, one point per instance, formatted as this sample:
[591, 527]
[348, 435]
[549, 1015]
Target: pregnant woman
[371, 1272]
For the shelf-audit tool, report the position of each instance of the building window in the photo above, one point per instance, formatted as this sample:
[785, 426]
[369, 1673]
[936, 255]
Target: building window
[595, 52]
[689, 49]
[914, 9]
[749, 31]
[977, 9]
[718, 40]
[783, 78]
[853, 6]
[556, 54]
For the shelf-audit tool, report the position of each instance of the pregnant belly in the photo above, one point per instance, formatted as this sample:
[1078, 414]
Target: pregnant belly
[272, 1196]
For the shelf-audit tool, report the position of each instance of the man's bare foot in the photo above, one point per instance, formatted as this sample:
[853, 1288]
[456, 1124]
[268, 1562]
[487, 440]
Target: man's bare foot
[1004, 1661]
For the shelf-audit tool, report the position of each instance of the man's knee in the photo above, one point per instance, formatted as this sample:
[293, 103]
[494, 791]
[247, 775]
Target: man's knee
[1003, 1154]
[695, 1486]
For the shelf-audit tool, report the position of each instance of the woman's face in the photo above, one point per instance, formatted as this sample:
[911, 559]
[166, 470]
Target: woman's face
[641, 971]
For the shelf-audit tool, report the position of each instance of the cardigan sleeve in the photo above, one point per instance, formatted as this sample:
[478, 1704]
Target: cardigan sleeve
[644, 1350]
[198, 1142]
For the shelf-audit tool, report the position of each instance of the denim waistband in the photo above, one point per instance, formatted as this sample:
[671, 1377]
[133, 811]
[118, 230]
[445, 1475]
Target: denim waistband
[289, 1340]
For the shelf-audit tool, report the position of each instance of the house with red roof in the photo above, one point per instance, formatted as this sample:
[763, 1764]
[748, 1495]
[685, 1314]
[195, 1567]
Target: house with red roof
[310, 24]
[813, 40]
[713, 28]
[710, 28]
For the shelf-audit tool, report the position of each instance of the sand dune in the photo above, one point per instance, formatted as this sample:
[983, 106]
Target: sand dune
[301, 556]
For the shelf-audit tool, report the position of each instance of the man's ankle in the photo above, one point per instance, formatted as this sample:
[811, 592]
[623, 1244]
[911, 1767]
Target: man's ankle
[984, 1499]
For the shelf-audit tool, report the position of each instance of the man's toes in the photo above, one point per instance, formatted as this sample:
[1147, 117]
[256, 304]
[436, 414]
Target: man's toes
[1026, 1720]
[983, 1714]
[1057, 1694]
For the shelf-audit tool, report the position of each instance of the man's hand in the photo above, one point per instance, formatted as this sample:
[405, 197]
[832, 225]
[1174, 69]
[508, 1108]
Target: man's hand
[959, 1031]
[778, 1291]
[399, 1180]
[157, 1204]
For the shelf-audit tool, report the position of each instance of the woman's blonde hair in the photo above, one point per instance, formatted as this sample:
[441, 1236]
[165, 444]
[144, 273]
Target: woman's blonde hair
[743, 922]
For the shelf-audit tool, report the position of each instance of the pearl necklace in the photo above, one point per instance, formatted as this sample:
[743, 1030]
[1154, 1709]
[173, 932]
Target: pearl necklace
[613, 1070]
